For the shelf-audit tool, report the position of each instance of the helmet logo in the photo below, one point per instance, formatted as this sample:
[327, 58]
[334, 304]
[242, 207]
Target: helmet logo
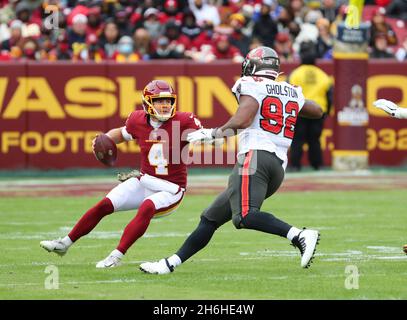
[257, 53]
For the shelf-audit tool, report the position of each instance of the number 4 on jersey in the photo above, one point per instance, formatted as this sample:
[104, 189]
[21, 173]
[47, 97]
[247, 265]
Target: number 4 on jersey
[157, 159]
[273, 112]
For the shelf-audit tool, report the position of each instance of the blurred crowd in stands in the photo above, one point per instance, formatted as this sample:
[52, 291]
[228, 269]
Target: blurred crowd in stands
[201, 30]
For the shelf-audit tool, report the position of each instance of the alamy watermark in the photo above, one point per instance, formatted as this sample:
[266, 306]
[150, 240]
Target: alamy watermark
[51, 282]
[352, 278]
[352, 20]
[172, 144]
[51, 21]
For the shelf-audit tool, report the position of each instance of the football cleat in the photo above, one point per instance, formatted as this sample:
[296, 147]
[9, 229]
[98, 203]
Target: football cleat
[110, 262]
[56, 246]
[158, 267]
[306, 241]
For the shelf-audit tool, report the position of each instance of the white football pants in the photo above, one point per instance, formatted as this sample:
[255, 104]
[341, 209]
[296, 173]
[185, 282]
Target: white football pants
[129, 195]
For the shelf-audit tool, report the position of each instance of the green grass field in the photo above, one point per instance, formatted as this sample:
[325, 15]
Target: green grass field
[364, 229]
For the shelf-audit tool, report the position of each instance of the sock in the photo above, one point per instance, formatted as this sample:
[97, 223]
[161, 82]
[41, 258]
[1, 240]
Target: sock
[67, 241]
[117, 254]
[198, 239]
[293, 232]
[91, 218]
[136, 227]
[174, 260]
[265, 222]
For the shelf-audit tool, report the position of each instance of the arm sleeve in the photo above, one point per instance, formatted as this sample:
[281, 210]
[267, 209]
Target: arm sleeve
[129, 130]
[127, 136]
[247, 87]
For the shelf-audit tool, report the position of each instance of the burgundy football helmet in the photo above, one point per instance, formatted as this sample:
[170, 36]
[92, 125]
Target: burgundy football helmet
[159, 90]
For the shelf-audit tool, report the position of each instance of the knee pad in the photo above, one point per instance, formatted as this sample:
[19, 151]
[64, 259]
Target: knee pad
[241, 222]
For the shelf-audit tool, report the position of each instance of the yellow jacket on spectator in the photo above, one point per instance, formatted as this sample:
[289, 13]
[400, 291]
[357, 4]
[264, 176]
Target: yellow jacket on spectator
[314, 82]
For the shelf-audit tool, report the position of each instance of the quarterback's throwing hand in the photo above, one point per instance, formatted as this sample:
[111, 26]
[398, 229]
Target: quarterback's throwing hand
[390, 107]
[201, 135]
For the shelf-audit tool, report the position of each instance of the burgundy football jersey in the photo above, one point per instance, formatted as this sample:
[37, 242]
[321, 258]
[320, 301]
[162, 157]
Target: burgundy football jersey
[161, 148]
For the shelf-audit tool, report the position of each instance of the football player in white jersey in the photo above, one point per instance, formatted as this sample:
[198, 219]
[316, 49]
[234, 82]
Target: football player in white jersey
[265, 119]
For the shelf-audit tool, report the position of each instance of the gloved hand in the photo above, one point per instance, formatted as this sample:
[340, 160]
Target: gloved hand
[201, 135]
[123, 176]
[390, 107]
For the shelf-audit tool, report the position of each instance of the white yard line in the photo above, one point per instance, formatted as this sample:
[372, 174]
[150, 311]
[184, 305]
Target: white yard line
[350, 255]
[93, 235]
[192, 178]
[41, 284]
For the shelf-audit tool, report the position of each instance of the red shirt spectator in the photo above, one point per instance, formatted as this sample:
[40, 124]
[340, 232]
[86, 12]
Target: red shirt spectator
[95, 25]
[205, 37]
[5, 55]
[3, 3]
[62, 50]
[79, 9]
[171, 12]
[224, 50]
[179, 41]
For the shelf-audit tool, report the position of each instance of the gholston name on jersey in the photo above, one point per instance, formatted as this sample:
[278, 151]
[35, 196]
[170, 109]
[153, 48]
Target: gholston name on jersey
[278, 89]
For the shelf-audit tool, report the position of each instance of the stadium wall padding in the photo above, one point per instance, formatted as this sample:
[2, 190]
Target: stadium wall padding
[50, 112]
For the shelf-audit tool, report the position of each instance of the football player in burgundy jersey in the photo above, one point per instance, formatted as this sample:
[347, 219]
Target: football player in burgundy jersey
[159, 189]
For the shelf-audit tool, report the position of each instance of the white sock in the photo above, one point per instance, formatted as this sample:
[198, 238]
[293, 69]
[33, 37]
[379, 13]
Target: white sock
[292, 233]
[174, 260]
[67, 241]
[117, 254]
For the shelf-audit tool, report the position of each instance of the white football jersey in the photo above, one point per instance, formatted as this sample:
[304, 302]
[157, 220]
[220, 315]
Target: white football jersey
[272, 128]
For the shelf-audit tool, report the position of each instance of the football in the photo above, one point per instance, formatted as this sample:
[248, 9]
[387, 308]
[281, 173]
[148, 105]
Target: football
[405, 248]
[105, 150]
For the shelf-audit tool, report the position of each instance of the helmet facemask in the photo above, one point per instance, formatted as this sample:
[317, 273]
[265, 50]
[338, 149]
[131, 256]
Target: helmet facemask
[160, 106]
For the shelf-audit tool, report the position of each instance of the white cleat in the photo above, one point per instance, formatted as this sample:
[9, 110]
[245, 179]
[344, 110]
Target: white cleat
[110, 262]
[158, 267]
[56, 246]
[306, 241]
